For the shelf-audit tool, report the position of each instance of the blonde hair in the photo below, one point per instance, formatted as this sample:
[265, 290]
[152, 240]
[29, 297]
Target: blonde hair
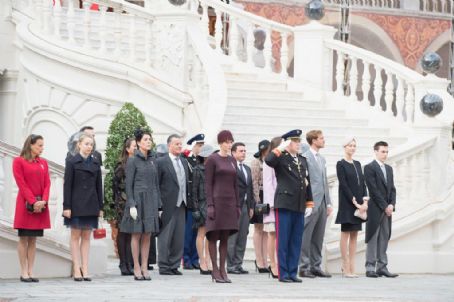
[81, 139]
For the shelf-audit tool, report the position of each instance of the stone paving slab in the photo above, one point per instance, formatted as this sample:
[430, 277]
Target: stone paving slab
[193, 287]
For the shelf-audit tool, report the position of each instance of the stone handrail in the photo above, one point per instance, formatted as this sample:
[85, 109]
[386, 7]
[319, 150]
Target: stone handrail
[393, 92]
[234, 35]
[8, 192]
[433, 7]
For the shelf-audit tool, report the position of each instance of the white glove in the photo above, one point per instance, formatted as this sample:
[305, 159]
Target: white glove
[308, 212]
[284, 144]
[133, 213]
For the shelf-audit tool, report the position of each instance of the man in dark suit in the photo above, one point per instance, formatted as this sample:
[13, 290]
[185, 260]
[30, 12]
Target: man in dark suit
[293, 196]
[173, 174]
[380, 182]
[190, 256]
[237, 242]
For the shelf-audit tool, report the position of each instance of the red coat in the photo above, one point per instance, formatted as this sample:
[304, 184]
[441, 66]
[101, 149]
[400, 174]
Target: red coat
[33, 180]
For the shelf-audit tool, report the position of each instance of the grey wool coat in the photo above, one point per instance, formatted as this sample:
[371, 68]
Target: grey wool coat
[142, 192]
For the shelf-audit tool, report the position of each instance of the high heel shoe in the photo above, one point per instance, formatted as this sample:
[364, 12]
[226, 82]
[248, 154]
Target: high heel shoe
[217, 279]
[202, 272]
[146, 277]
[261, 270]
[225, 278]
[271, 273]
[83, 277]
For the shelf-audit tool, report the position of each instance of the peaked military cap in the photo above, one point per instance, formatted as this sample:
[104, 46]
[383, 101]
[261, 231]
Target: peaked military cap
[199, 138]
[292, 134]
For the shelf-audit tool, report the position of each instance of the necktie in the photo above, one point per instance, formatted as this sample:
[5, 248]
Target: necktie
[243, 171]
[319, 161]
[383, 169]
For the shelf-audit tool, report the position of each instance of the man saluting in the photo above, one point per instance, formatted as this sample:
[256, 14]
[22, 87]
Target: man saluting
[293, 196]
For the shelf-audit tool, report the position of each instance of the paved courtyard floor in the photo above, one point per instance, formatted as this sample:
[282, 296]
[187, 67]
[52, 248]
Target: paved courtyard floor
[254, 287]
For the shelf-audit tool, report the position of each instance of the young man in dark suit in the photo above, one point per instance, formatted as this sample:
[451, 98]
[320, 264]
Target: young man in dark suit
[380, 182]
[237, 242]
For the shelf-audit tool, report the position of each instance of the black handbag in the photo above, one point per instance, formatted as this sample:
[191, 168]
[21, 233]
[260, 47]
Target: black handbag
[261, 209]
[30, 207]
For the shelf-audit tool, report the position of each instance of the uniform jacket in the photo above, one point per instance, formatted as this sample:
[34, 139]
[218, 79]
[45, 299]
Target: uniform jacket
[293, 191]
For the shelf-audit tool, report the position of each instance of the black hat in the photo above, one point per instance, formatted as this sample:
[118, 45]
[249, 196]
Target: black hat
[292, 134]
[262, 146]
[199, 138]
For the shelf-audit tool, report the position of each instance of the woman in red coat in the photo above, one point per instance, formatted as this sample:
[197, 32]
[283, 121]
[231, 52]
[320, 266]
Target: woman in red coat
[32, 214]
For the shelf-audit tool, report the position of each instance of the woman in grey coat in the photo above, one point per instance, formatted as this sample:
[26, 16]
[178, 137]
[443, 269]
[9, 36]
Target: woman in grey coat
[141, 217]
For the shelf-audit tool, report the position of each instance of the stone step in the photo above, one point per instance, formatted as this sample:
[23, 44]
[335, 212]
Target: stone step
[239, 83]
[291, 113]
[265, 102]
[284, 121]
[267, 94]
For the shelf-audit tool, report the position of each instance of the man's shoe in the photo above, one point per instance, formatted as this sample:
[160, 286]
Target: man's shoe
[296, 279]
[371, 274]
[177, 272]
[196, 266]
[306, 274]
[243, 271]
[320, 273]
[286, 280]
[187, 266]
[234, 271]
[150, 267]
[166, 273]
[387, 274]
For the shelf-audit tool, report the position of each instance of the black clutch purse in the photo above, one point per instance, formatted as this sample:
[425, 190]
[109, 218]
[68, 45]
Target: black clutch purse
[261, 209]
[29, 206]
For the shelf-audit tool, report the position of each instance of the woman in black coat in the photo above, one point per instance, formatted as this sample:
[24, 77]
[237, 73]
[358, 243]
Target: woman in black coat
[199, 214]
[119, 191]
[352, 197]
[82, 203]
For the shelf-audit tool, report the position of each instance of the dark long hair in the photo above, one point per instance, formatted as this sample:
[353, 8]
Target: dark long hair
[26, 151]
[275, 142]
[124, 152]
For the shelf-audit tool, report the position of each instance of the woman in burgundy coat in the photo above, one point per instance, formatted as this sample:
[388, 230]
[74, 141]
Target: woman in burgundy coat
[223, 208]
[32, 214]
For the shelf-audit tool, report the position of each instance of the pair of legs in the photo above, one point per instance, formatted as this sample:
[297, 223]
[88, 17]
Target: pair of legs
[140, 244]
[190, 253]
[314, 233]
[26, 249]
[219, 272]
[260, 245]
[124, 252]
[202, 249]
[348, 251]
[272, 252]
[80, 248]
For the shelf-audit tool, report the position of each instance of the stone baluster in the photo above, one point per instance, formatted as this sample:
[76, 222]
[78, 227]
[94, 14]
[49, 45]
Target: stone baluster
[57, 18]
[400, 95]
[340, 67]
[233, 39]
[132, 38]
[46, 11]
[366, 84]
[398, 176]
[148, 42]
[70, 23]
[117, 33]
[2, 184]
[284, 54]
[268, 51]
[378, 88]
[409, 104]
[87, 25]
[218, 30]
[250, 46]
[205, 22]
[424, 5]
[389, 93]
[353, 78]
[102, 29]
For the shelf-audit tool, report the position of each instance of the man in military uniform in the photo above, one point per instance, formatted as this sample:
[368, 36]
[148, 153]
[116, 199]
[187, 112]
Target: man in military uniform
[293, 197]
[190, 256]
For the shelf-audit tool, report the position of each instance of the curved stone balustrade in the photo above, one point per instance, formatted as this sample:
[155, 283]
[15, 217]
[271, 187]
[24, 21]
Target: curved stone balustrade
[438, 7]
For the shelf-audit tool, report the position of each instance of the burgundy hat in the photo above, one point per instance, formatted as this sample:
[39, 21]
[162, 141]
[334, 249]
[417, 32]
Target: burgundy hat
[224, 136]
